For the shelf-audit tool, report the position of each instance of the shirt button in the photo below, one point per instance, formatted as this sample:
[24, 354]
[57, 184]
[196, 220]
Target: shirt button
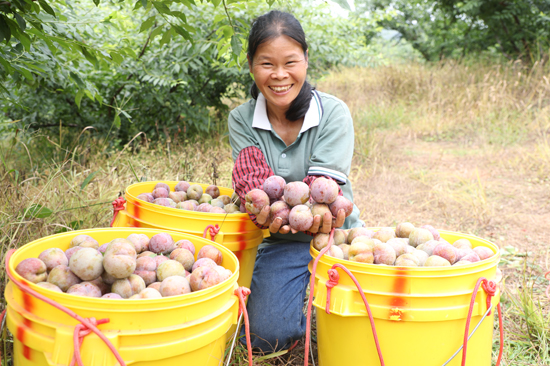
[283, 156]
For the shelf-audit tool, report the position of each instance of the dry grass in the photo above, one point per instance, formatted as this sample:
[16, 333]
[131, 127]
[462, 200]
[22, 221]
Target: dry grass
[463, 148]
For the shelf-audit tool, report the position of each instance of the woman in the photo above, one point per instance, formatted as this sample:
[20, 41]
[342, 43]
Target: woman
[291, 130]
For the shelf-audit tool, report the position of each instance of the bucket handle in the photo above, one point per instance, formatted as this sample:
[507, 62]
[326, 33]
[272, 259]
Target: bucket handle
[241, 293]
[80, 331]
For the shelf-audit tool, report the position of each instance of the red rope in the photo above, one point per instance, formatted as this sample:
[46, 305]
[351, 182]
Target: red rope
[1, 320]
[490, 287]
[214, 230]
[331, 284]
[242, 293]
[87, 324]
[118, 205]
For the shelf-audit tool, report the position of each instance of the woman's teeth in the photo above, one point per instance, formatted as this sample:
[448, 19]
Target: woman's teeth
[279, 89]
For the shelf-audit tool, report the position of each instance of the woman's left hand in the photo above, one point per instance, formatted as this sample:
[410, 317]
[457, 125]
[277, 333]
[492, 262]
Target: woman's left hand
[328, 222]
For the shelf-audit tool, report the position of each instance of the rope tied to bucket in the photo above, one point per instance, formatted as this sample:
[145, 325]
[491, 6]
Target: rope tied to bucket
[333, 281]
[118, 205]
[490, 287]
[214, 230]
[81, 331]
[86, 326]
[242, 292]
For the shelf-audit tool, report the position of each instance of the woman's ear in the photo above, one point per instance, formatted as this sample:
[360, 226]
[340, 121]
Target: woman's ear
[307, 58]
[249, 63]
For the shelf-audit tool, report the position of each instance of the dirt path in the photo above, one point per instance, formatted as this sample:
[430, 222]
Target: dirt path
[489, 192]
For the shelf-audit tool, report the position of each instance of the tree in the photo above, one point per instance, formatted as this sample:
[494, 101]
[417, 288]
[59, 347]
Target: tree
[453, 28]
[152, 70]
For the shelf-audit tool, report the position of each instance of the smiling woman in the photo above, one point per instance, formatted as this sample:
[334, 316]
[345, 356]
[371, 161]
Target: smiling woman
[290, 130]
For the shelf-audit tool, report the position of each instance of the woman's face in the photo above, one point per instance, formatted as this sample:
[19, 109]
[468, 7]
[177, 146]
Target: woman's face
[279, 68]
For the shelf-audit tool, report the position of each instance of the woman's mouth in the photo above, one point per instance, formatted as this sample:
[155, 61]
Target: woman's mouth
[281, 89]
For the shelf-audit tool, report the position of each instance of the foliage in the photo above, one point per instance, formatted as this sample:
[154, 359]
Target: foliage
[159, 81]
[454, 28]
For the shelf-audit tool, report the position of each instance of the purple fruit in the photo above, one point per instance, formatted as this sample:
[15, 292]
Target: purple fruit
[340, 203]
[274, 186]
[162, 185]
[296, 193]
[300, 218]
[324, 190]
[280, 209]
[256, 200]
[147, 197]
[160, 192]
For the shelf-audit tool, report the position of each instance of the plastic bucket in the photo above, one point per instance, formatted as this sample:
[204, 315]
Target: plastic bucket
[237, 232]
[419, 313]
[189, 329]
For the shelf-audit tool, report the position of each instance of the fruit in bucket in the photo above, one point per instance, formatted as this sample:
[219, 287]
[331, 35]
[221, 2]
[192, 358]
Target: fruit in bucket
[120, 274]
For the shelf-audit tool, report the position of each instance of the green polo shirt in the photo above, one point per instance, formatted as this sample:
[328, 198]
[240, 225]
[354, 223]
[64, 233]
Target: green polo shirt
[324, 146]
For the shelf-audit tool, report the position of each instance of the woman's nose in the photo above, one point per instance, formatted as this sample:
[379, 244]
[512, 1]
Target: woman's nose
[279, 73]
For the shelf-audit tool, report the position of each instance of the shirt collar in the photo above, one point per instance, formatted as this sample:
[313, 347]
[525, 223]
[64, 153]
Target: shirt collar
[311, 119]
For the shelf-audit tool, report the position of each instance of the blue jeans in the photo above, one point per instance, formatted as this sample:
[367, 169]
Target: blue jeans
[278, 289]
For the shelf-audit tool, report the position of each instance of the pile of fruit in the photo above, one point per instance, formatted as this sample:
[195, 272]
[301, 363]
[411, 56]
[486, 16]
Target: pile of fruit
[136, 267]
[191, 197]
[404, 246]
[296, 203]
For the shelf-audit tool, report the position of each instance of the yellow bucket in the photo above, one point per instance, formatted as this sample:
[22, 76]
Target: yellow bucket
[237, 232]
[189, 329]
[419, 313]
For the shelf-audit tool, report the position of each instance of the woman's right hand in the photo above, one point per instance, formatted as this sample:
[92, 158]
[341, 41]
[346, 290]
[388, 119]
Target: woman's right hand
[275, 226]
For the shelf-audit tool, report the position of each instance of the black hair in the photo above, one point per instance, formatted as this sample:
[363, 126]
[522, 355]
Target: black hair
[272, 25]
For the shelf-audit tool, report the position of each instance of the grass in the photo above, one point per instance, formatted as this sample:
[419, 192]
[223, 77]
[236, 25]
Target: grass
[463, 147]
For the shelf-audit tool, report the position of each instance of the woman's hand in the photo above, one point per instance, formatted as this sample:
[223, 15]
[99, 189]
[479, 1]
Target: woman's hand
[328, 222]
[275, 225]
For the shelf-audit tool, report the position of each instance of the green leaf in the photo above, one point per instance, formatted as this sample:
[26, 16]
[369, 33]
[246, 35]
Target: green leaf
[236, 45]
[96, 2]
[116, 57]
[89, 56]
[25, 41]
[5, 31]
[20, 21]
[216, 2]
[156, 32]
[148, 23]
[26, 73]
[77, 80]
[6, 65]
[116, 121]
[161, 7]
[180, 15]
[343, 3]
[166, 36]
[218, 18]
[88, 180]
[182, 32]
[46, 8]
[78, 97]
[144, 3]
[37, 211]
[125, 114]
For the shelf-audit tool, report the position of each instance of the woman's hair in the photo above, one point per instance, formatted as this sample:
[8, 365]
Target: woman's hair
[272, 25]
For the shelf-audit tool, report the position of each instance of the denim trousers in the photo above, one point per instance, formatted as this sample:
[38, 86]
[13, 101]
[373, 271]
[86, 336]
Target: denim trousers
[276, 302]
